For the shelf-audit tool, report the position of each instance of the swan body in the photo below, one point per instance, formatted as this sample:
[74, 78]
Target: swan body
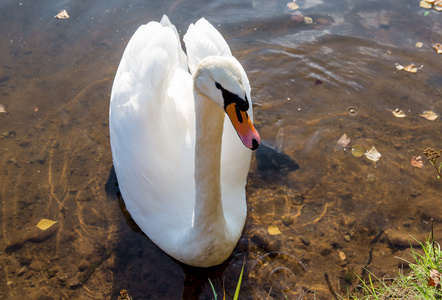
[181, 164]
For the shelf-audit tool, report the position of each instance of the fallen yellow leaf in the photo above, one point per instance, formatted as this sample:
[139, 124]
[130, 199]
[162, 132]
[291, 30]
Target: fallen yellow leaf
[373, 154]
[293, 6]
[308, 20]
[429, 115]
[62, 14]
[425, 4]
[357, 150]
[274, 230]
[438, 48]
[45, 224]
[419, 44]
[410, 68]
[398, 113]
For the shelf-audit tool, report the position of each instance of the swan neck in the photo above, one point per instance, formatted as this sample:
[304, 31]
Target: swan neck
[209, 129]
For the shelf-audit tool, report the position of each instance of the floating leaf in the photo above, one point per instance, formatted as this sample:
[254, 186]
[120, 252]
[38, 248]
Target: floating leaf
[274, 230]
[429, 115]
[344, 140]
[419, 44]
[425, 4]
[409, 68]
[438, 48]
[2, 108]
[373, 154]
[398, 113]
[308, 20]
[293, 6]
[357, 150]
[62, 14]
[45, 224]
[416, 161]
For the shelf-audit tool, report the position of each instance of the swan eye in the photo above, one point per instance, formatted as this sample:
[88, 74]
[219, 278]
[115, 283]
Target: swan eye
[230, 97]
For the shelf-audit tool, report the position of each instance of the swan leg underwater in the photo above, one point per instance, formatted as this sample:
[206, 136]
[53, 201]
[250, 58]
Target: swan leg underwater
[181, 165]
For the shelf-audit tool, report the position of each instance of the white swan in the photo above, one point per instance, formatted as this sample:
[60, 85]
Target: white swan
[180, 165]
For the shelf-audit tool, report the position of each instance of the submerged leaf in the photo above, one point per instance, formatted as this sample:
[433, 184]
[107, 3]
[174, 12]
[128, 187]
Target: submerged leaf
[419, 44]
[2, 108]
[357, 150]
[45, 224]
[373, 154]
[416, 161]
[274, 230]
[343, 141]
[429, 115]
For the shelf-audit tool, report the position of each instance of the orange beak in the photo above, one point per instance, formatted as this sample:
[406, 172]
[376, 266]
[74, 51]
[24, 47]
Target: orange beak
[243, 126]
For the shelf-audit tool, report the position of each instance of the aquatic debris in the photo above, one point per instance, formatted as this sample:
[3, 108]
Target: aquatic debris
[357, 150]
[62, 14]
[343, 142]
[438, 48]
[419, 44]
[308, 20]
[293, 5]
[297, 17]
[124, 295]
[373, 154]
[425, 4]
[409, 68]
[429, 115]
[274, 230]
[432, 156]
[435, 278]
[45, 224]
[342, 255]
[398, 113]
[2, 108]
[429, 4]
[416, 161]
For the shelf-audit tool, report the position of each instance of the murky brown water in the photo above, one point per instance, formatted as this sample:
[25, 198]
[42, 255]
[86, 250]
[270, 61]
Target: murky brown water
[337, 213]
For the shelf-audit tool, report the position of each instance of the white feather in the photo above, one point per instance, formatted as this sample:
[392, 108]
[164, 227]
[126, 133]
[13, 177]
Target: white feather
[152, 132]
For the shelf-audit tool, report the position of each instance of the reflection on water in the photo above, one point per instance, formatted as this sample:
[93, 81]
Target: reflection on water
[337, 213]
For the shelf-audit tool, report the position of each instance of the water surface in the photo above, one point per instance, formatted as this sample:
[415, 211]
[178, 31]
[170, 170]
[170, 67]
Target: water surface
[311, 83]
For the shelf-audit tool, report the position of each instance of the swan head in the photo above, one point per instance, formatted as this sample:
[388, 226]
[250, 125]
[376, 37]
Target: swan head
[219, 79]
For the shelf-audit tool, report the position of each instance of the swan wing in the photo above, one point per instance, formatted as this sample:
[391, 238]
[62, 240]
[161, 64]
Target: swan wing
[152, 132]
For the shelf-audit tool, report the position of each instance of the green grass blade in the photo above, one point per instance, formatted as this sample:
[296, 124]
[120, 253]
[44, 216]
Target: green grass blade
[213, 289]
[238, 286]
